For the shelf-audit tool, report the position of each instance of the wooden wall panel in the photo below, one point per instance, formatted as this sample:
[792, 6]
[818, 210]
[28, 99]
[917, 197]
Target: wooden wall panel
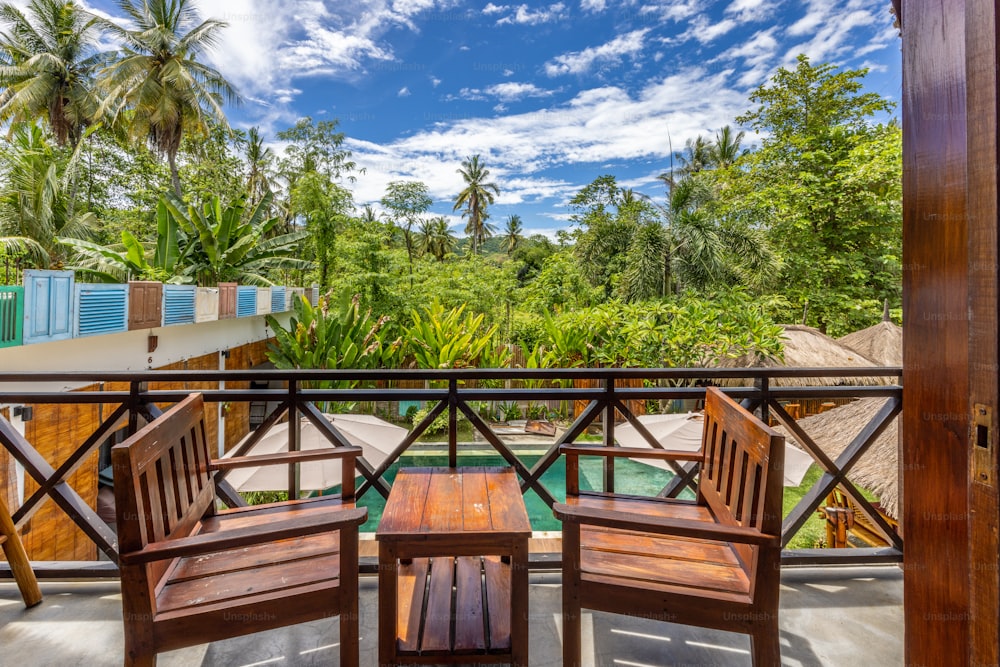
[244, 357]
[8, 482]
[56, 431]
[984, 508]
[935, 354]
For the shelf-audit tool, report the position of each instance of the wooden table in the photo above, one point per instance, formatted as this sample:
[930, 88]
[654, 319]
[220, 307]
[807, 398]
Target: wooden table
[453, 568]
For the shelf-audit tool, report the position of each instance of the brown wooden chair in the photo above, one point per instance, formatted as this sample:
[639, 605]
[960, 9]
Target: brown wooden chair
[713, 562]
[16, 557]
[192, 574]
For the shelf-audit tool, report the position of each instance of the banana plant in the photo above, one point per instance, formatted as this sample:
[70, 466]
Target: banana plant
[132, 260]
[452, 339]
[234, 244]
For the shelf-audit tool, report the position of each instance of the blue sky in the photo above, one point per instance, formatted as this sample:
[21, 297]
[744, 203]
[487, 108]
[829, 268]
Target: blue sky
[551, 95]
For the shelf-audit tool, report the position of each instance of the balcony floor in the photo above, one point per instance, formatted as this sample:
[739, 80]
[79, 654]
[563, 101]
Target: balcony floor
[829, 616]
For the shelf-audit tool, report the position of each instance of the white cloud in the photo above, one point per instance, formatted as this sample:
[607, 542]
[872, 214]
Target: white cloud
[523, 15]
[403, 92]
[435, 82]
[597, 126]
[580, 62]
[491, 9]
[746, 11]
[593, 5]
[703, 30]
[831, 41]
[673, 10]
[511, 91]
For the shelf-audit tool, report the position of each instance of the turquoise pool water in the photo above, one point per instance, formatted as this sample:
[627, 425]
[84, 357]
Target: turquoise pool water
[630, 477]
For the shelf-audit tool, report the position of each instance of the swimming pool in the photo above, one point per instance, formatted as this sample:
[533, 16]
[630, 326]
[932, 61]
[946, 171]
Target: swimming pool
[630, 477]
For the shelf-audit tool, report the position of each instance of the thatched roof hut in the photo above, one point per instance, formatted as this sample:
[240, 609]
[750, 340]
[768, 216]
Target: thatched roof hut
[806, 347]
[882, 343]
[878, 469]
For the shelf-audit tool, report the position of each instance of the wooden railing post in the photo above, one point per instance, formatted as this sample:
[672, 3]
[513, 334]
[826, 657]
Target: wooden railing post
[453, 423]
[609, 435]
[294, 433]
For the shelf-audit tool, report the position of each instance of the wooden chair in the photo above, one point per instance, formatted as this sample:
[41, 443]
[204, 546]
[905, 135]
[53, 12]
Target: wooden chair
[16, 557]
[713, 562]
[842, 516]
[191, 574]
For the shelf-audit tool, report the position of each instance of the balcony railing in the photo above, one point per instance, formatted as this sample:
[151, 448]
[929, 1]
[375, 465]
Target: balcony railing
[598, 393]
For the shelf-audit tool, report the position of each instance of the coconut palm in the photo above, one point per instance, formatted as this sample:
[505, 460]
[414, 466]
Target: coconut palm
[157, 86]
[47, 61]
[260, 166]
[512, 234]
[476, 196]
[436, 238]
[696, 157]
[726, 149]
[34, 206]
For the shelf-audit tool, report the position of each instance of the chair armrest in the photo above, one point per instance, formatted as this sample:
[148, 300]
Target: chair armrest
[632, 452]
[280, 529]
[285, 457]
[663, 525]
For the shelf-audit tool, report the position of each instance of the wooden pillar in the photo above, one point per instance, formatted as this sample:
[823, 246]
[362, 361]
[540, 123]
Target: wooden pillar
[984, 589]
[934, 457]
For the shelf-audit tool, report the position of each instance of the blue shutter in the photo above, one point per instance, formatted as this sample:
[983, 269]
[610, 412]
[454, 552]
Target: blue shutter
[11, 316]
[278, 299]
[48, 305]
[178, 304]
[100, 309]
[246, 301]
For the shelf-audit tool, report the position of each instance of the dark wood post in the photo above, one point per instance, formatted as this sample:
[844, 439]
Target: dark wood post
[934, 457]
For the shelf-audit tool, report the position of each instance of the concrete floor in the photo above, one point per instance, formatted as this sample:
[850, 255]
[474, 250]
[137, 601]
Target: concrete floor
[829, 616]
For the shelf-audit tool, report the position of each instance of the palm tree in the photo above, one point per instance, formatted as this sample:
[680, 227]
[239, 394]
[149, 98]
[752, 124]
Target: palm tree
[726, 149]
[436, 238]
[260, 166]
[697, 156]
[512, 234]
[478, 193]
[47, 62]
[34, 206]
[157, 85]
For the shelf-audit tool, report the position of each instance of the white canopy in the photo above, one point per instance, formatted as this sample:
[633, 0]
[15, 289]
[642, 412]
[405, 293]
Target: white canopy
[375, 436]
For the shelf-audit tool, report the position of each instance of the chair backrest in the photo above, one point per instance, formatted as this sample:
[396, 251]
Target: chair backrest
[163, 485]
[742, 474]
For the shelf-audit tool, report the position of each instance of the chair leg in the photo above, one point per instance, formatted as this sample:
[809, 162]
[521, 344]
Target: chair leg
[137, 658]
[766, 646]
[571, 612]
[349, 632]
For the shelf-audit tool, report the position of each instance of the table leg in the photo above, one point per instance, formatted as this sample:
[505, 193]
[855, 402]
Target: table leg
[387, 604]
[519, 603]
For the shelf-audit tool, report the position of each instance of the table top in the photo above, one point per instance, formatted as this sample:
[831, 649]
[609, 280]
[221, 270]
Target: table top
[473, 501]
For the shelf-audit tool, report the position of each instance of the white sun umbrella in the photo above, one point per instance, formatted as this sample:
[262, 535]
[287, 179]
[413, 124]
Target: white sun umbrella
[683, 432]
[375, 436]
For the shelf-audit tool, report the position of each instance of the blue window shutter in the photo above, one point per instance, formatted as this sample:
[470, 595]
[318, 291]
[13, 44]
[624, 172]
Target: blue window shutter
[178, 304]
[278, 299]
[48, 305]
[246, 300]
[100, 309]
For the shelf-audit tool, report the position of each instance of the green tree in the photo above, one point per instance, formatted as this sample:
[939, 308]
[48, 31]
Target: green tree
[477, 195]
[315, 147]
[157, 85]
[826, 185]
[47, 62]
[34, 197]
[727, 147]
[324, 207]
[513, 233]
[406, 201]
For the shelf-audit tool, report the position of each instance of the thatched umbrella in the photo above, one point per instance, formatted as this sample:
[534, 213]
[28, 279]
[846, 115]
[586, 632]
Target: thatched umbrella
[806, 347]
[882, 343]
[878, 469]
